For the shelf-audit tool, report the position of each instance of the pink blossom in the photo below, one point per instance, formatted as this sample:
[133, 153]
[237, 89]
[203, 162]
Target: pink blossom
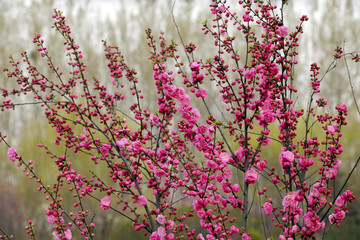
[261, 165]
[286, 158]
[200, 236]
[210, 237]
[340, 215]
[57, 235]
[159, 172]
[281, 237]
[236, 187]
[336, 164]
[222, 8]
[105, 203]
[245, 237]
[67, 233]
[162, 232]
[170, 236]
[155, 236]
[194, 65]
[246, 17]
[12, 154]
[332, 218]
[179, 93]
[137, 146]
[202, 93]
[224, 157]
[268, 116]
[155, 119]
[170, 225]
[171, 91]
[161, 219]
[250, 73]
[225, 187]
[239, 154]
[251, 176]
[330, 173]
[312, 221]
[282, 31]
[304, 162]
[266, 141]
[343, 107]
[122, 142]
[290, 200]
[142, 201]
[267, 208]
[331, 129]
[234, 230]
[51, 219]
[105, 148]
[340, 201]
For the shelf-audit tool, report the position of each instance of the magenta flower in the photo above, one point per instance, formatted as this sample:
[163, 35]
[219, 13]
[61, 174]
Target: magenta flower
[105, 203]
[282, 31]
[251, 176]
[195, 65]
[250, 73]
[67, 233]
[12, 154]
[331, 129]
[340, 201]
[343, 107]
[236, 187]
[286, 158]
[330, 173]
[290, 200]
[245, 237]
[141, 201]
[267, 208]
[122, 142]
[51, 219]
[201, 93]
[246, 17]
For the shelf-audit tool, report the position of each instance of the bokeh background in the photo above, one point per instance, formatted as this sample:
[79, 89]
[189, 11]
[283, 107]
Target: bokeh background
[122, 23]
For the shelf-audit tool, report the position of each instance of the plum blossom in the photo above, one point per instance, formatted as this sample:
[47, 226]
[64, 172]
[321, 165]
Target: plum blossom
[261, 165]
[142, 201]
[170, 225]
[330, 173]
[122, 142]
[155, 119]
[282, 31]
[51, 219]
[105, 203]
[290, 200]
[194, 65]
[160, 219]
[67, 233]
[251, 176]
[250, 73]
[202, 93]
[267, 208]
[340, 201]
[246, 17]
[343, 107]
[236, 187]
[332, 129]
[12, 154]
[286, 158]
[245, 237]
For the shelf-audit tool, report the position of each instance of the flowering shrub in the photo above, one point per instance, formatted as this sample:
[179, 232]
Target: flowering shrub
[180, 155]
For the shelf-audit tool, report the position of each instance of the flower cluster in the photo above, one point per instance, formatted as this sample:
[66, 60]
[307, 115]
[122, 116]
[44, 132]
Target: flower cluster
[180, 151]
